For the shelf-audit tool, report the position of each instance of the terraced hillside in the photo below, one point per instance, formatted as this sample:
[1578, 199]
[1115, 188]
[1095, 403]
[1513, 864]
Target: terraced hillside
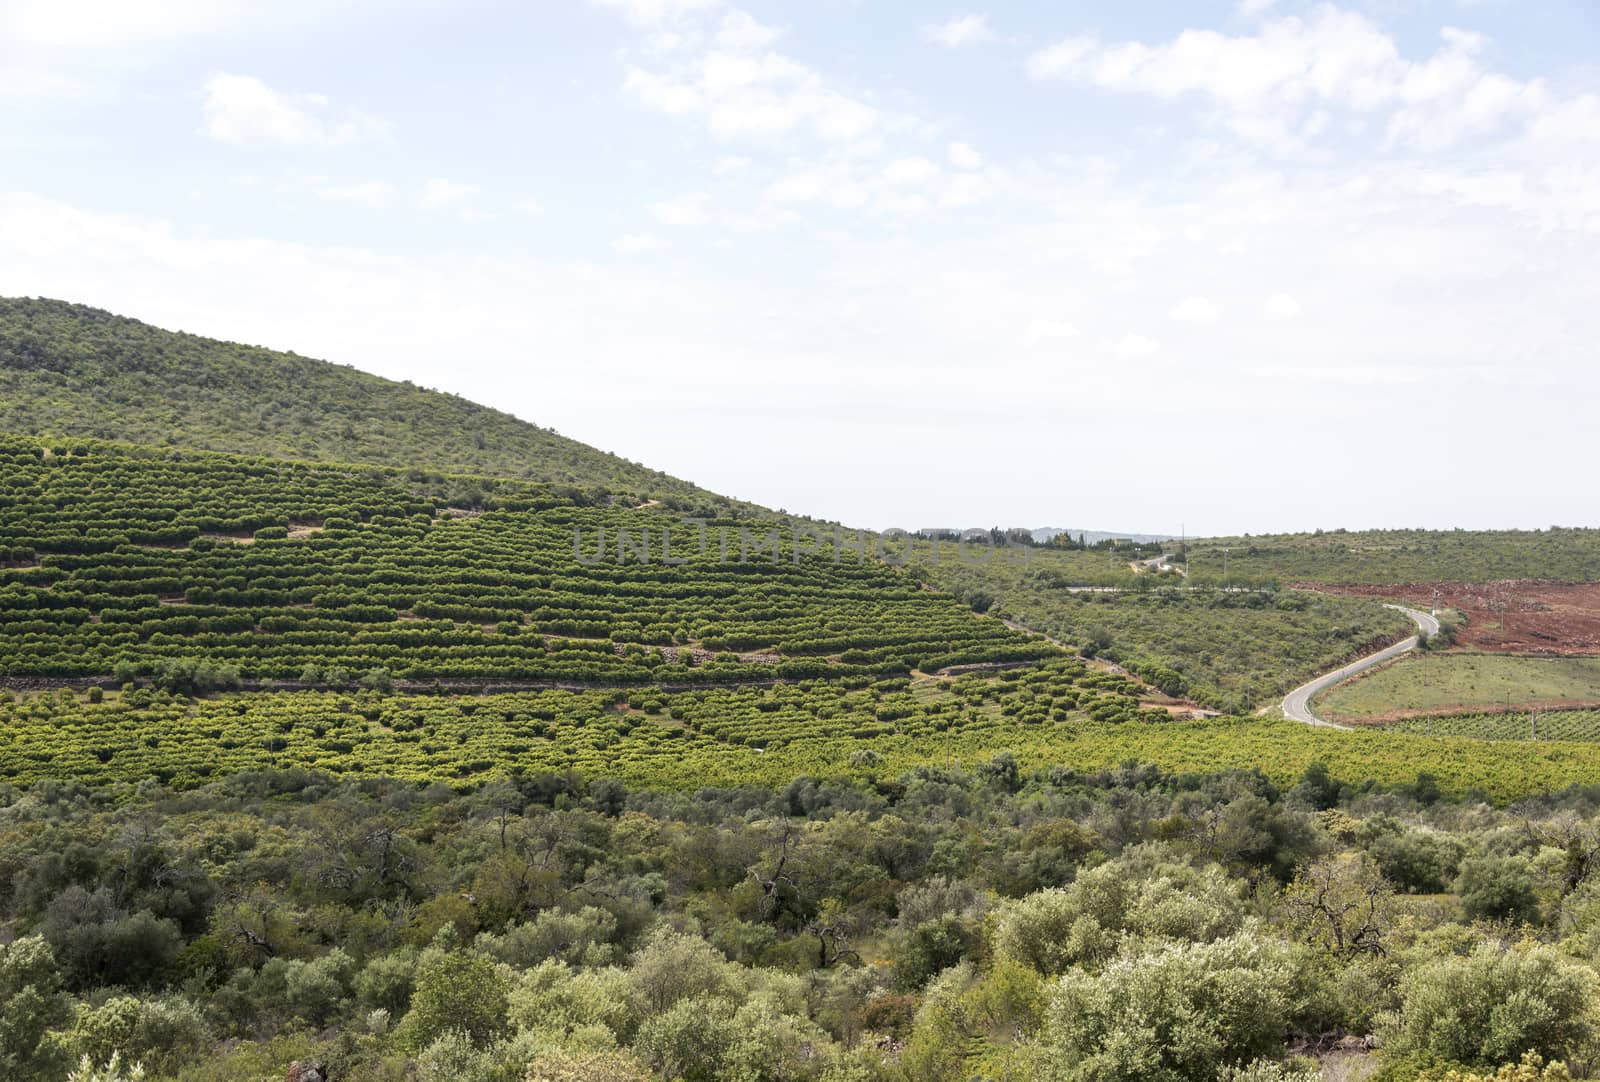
[205, 569]
[68, 370]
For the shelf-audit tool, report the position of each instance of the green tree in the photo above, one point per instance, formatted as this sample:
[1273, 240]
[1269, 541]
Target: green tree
[1491, 1007]
[457, 991]
[31, 1004]
[1497, 888]
[1181, 1012]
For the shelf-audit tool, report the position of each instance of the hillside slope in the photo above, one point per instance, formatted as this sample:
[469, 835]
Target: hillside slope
[68, 370]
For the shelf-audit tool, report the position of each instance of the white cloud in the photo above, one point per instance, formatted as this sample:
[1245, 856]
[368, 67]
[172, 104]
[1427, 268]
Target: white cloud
[244, 111]
[1046, 331]
[441, 194]
[740, 31]
[960, 31]
[685, 210]
[963, 156]
[911, 171]
[636, 243]
[729, 165]
[1062, 58]
[1250, 9]
[743, 89]
[1136, 347]
[1195, 310]
[1282, 306]
[529, 205]
[657, 12]
[1571, 122]
[1276, 85]
[372, 193]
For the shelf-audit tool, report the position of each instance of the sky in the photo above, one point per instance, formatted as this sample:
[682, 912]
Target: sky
[1217, 267]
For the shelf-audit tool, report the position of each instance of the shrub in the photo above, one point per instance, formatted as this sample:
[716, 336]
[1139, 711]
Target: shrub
[1185, 1011]
[1491, 1007]
[1146, 893]
[456, 992]
[1497, 888]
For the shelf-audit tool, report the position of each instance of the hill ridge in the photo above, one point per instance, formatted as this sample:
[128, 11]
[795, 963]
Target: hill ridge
[71, 370]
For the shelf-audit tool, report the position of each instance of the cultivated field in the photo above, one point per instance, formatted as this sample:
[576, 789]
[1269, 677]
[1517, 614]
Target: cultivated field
[1463, 683]
[1516, 725]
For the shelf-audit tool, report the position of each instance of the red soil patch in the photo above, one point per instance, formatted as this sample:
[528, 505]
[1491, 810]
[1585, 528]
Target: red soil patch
[1524, 616]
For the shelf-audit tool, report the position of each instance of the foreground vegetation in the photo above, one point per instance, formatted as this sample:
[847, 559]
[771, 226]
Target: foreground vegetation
[945, 924]
[1459, 682]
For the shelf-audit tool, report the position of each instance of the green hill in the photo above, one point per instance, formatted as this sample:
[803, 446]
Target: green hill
[68, 370]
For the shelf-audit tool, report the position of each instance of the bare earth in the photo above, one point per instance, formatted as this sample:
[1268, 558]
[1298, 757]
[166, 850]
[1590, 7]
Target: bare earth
[1540, 617]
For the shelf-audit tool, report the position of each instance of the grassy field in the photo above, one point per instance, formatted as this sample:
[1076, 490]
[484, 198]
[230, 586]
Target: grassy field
[1464, 683]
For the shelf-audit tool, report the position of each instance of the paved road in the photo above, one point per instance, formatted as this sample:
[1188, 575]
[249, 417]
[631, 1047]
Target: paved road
[1297, 704]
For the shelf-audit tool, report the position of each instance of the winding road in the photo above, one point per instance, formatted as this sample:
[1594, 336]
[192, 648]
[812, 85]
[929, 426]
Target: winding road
[1297, 704]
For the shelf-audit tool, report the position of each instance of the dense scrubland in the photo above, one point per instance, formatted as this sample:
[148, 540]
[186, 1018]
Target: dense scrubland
[1405, 556]
[936, 924]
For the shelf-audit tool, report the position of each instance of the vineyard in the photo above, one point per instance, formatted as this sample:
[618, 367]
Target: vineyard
[138, 565]
[1515, 725]
[1056, 716]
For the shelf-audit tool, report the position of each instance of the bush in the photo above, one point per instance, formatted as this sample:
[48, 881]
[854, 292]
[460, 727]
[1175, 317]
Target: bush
[30, 1006]
[932, 948]
[155, 1032]
[113, 1071]
[456, 992]
[1417, 861]
[1491, 1007]
[1185, 1011]
[1497, 888]
[385, 982]
[1146, 893]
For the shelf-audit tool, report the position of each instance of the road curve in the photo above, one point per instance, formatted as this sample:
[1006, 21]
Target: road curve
[1297, 704]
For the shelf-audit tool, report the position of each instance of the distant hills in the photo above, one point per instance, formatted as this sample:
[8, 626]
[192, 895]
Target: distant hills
[68, 370]
[1045, 533]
